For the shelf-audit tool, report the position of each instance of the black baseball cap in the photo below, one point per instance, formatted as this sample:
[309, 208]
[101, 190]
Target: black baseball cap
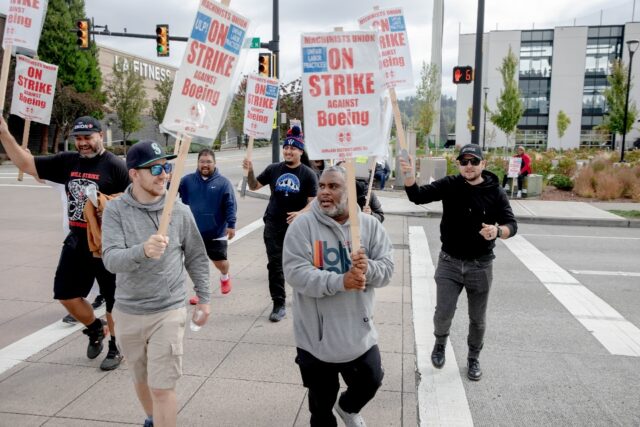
[471, 149]
[85, 125]
[145, 152]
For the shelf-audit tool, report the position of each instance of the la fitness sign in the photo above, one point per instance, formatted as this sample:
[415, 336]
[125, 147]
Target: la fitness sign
[146, 70]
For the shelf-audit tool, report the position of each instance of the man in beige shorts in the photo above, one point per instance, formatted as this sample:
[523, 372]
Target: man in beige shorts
[151, 274]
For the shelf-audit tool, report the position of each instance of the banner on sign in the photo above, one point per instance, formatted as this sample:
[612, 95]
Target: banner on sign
[210, 67]
[395, 55]
[23, 24]
[341, 84]
[514, 167]
[260, 106]
[33, 89]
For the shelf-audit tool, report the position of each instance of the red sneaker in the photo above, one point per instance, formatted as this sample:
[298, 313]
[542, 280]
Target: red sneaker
[225, 285]
[193, 300]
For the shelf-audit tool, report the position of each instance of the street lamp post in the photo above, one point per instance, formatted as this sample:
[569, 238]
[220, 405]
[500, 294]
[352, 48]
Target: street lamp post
[632, 45]
[484, 127]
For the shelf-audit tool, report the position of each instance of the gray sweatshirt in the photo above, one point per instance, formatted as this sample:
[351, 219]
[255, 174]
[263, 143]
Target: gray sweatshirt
[145, 285]
[333, 324]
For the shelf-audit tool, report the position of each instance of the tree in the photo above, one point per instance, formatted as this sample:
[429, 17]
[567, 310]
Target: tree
[427, 96]
[78, 71]
[127, 97]
[615, 95]
[235, 118]
[509, 105]
[159, 105]
[563, 121]
[291, 100]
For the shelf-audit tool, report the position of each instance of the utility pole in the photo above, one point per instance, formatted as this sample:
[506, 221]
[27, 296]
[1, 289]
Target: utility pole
[477, 77]
[274, 47]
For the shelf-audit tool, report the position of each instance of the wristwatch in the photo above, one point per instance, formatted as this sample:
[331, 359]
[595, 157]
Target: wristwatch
[498, 232]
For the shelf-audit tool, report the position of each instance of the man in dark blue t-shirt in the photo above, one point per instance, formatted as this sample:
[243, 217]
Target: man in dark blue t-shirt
[89, 168]
[293, 185]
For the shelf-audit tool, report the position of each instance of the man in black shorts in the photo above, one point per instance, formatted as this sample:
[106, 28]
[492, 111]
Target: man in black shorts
[213, 204]
[91, 166]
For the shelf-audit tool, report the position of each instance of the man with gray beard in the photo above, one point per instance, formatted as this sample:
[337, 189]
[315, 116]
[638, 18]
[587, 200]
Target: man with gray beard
[333, 302]
[91, 167]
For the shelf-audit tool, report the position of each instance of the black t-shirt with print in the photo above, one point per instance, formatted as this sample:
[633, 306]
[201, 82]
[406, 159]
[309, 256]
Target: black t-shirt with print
[290, 189]
[106, 172]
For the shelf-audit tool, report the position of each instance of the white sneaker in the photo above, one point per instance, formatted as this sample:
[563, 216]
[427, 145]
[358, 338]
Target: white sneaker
[519, 195]
[507, 188]
[350, 420]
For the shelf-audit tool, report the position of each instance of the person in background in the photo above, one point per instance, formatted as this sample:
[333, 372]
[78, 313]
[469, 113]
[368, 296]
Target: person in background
[213, 204]
[382, 172]
[525, 169]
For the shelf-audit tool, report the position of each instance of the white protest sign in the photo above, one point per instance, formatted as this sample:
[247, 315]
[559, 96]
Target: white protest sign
[23, 24]
[33, 89]
[341, 84]
[204, 81]
[260, 106]
[395, 55]
[514, 167]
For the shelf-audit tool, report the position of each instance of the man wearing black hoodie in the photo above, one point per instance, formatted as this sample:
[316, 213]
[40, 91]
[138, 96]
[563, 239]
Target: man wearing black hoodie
[476, 212]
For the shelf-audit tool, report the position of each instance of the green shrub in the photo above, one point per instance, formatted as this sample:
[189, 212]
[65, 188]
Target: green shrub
[541, 165]
[566, 166]
[561, 182]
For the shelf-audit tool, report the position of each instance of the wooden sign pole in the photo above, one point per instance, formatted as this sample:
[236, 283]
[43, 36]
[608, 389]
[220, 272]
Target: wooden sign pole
[4, 76]
[372, 171]
[354, 210]
[25, 143]
[245, 172]
[176, 175]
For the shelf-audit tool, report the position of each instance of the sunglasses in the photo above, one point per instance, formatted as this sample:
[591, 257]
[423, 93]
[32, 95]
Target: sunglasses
[157, 169]
[474, 161]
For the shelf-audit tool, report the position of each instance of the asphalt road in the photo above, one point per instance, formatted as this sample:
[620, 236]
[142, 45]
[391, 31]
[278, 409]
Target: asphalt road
[541, 365]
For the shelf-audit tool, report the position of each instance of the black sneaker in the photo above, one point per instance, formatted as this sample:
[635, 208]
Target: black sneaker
[278, 313]
[437, 356]
[473, 369]
[69, 319]
[95, 341]
[113, 359]
[148, 422]
[97, 303]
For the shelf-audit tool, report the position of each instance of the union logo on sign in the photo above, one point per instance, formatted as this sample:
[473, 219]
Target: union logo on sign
[344, 137]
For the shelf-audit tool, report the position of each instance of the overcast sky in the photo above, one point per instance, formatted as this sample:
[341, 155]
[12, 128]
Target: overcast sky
[297, 16]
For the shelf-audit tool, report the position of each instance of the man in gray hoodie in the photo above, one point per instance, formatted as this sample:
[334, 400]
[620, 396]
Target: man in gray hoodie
[333, 302]
[150, 270]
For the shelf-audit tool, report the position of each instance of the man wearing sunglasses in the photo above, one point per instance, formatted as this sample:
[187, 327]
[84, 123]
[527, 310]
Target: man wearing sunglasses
[151, 273]
[88, 168]
[476, 212]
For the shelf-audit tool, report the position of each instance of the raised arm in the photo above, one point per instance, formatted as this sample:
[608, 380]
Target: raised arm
[21, 158]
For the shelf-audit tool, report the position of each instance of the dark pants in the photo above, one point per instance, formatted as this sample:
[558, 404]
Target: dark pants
[273, 241]
[452, 275]
[363, 377]
[520, 180]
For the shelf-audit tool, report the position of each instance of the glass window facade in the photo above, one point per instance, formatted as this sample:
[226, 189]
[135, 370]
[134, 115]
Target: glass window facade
[604, 46]
[536, 52]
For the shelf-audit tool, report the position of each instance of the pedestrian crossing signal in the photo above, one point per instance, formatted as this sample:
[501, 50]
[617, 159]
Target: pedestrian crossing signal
[162, 40]
[83, 34]
[462, 74]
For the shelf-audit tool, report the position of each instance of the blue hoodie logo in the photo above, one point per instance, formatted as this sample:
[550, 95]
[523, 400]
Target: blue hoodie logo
[331, 259]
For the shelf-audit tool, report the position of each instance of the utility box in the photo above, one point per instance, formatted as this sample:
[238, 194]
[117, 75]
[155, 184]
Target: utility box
[533, 184]
[431, 169]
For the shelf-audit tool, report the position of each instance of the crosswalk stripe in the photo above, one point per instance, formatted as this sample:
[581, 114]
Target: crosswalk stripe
[605, 273]
[441, 397]
[615, 333]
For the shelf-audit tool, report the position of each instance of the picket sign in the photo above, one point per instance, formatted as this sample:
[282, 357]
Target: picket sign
[245, 172]
[182, 145]
[372, 169]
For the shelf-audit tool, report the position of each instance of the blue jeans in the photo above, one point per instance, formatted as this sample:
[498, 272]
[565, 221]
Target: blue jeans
[452, 275]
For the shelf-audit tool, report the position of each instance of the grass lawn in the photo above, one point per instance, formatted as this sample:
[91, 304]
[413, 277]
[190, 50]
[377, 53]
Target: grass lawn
[626, 214]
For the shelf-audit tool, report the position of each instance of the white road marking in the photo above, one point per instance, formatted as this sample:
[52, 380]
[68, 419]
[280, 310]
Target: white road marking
[25, 185]
[570, 236]
[26, 347]
[606, 273]
[614, 332]
[441, 397]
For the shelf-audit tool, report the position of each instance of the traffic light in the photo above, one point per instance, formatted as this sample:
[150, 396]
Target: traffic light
[462, 74]
[83, 34]
[264, 64]
[162, 39]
